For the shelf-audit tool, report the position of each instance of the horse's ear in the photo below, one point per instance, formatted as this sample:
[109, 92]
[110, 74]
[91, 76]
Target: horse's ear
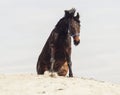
[66, 13]
[70, 13]
[77, 16]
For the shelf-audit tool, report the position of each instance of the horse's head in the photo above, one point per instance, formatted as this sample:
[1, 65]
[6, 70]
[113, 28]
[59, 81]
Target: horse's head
[74, 25]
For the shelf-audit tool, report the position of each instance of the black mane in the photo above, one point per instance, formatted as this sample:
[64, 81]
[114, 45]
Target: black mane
[62, 26]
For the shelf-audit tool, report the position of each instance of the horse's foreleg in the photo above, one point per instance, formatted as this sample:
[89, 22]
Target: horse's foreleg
[68, 57]
[52, 48]
[70, 67]
[52, 59]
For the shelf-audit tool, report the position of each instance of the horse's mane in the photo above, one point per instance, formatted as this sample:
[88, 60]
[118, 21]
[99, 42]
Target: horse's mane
[62, 25]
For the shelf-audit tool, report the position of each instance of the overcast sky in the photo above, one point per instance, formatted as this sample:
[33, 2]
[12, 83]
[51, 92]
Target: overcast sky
[26, 24]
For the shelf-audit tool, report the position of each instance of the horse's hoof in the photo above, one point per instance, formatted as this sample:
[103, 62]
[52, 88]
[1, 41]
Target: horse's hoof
[70, 75]
[53, 74]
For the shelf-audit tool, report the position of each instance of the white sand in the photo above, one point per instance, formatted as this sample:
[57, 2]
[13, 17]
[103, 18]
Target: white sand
[30, 84]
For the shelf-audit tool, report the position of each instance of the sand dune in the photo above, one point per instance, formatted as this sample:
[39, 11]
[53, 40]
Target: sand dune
[31, 84]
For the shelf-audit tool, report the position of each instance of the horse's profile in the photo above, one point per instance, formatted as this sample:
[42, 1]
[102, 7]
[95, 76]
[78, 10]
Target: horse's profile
[56, 54]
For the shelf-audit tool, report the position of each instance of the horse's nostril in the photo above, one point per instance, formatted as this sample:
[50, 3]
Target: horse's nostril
[76, 42]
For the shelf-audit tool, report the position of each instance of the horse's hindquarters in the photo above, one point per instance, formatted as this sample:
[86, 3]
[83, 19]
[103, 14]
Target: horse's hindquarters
[63, 70]
[61, 67]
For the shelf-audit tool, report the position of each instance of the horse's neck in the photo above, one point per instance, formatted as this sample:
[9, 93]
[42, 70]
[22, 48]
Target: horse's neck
[62, 26]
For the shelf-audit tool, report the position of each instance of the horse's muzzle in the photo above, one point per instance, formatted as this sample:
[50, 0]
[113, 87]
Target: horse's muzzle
[76, 40]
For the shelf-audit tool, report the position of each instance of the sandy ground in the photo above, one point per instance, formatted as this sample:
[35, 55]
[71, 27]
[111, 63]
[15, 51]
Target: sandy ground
[31, 84]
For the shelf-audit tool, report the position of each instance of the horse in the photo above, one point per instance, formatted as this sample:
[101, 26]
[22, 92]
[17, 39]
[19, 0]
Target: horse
[56, 53]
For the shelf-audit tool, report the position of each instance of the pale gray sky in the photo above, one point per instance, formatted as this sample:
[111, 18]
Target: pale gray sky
[26, 24]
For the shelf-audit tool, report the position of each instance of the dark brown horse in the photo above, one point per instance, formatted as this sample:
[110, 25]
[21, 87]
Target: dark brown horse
[56, 54]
